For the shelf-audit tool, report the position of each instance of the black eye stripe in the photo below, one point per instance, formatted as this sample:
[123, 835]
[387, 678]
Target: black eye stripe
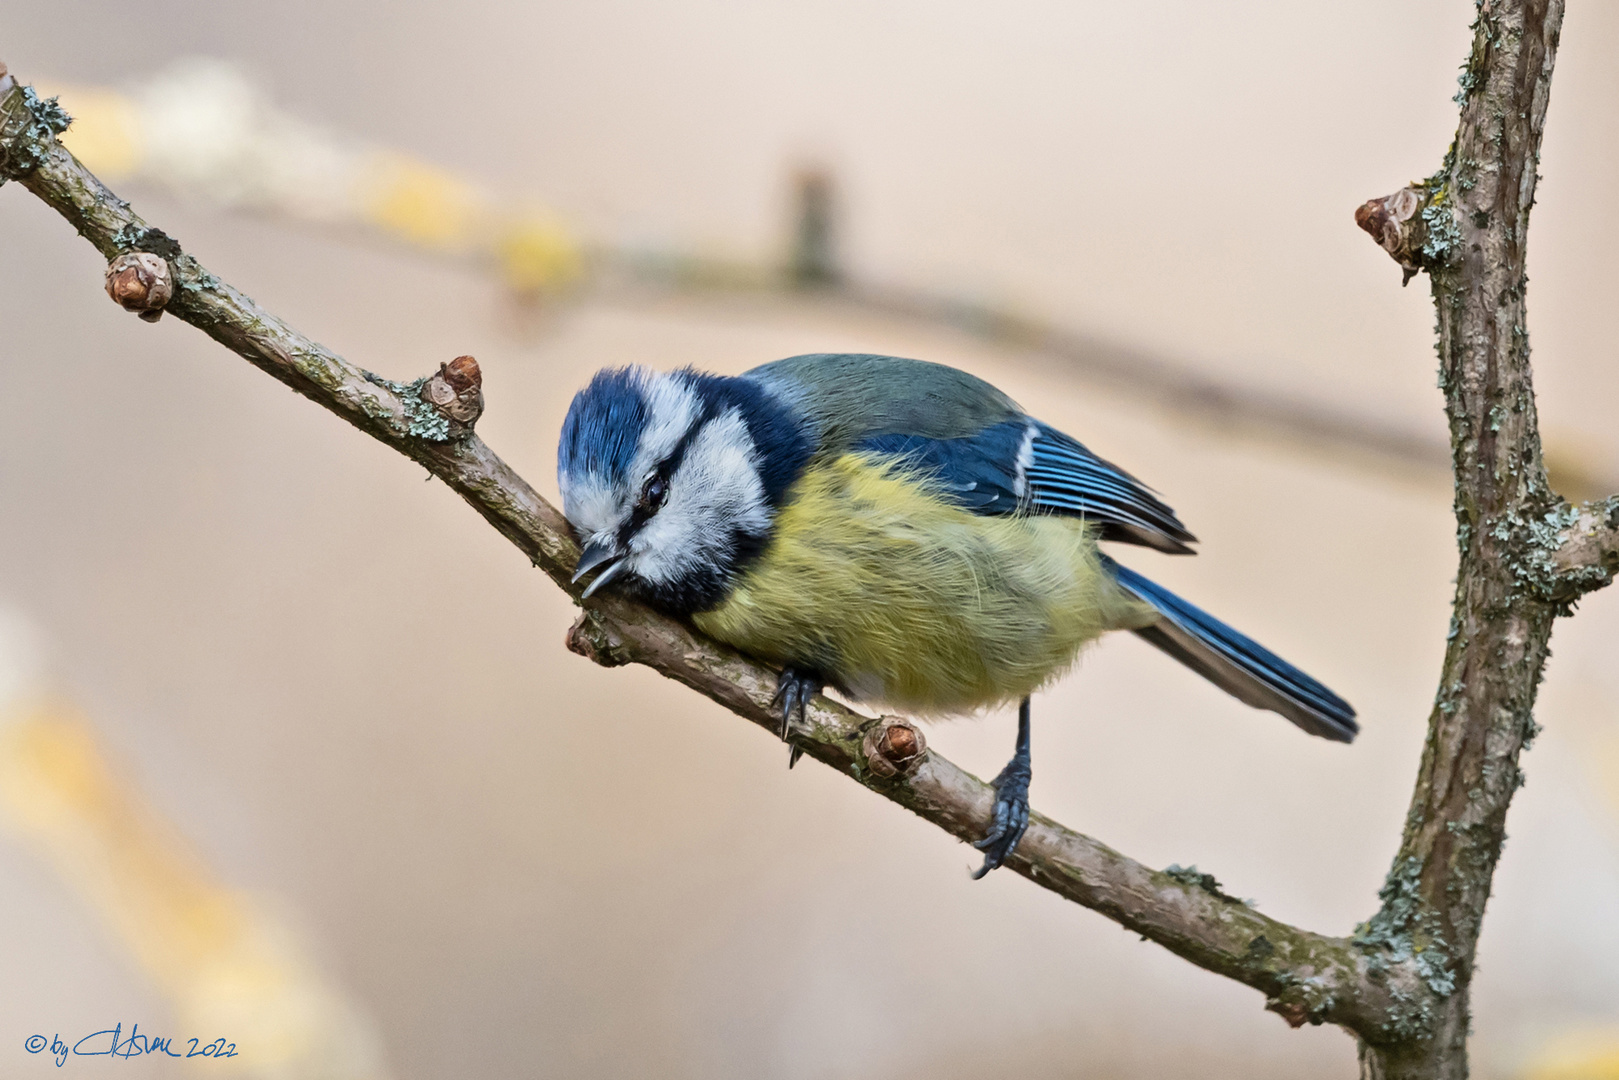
[667, 467]
[665, 470]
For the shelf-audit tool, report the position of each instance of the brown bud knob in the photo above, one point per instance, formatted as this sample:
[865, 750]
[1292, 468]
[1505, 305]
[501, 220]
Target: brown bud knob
[456, 391]
[893, 747]
[139, 281]
[590, 639]
[1393, 222]
[463, 374]
[1296, 1013]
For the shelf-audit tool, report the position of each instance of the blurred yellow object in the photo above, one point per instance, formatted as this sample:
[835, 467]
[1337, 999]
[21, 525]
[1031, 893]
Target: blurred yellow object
[105, 134]
[421, 203]
[431, 208]
[230, 969]
[1587, 1053]
[202, 128]
[536, 255]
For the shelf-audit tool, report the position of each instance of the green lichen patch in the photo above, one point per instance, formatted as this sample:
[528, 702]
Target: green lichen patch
[1197, 879]
[193, 275]
[1528, 544]
[29, 125]
[134, 237]
[1191, 875]
[1406, 931]
[48, 112]
[421, 420]
[1465, 82]
[1442, 237]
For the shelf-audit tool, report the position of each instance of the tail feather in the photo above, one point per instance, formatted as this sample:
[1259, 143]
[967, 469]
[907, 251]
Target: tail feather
[1237, 664]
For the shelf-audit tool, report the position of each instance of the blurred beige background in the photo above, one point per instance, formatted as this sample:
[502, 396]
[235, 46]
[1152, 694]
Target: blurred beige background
[350, 697]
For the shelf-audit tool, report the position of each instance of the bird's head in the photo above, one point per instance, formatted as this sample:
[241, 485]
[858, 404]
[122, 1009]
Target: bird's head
[664, 480]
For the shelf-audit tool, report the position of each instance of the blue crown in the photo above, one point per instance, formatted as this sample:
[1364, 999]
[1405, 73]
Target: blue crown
[604, 425]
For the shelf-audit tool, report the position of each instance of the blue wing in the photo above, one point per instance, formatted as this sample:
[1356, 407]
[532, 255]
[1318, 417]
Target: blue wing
[1025, 465]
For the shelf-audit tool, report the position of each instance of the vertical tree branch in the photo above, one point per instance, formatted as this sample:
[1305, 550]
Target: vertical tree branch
[1467, 227]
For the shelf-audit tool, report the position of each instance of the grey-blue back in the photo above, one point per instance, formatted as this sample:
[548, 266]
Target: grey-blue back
[851, 396]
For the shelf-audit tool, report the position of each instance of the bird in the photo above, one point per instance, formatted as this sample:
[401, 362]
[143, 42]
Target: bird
[895, 529]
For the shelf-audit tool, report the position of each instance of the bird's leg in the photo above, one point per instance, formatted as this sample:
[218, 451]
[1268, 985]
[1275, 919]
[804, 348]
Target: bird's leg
[1011, 802]
[794, 690]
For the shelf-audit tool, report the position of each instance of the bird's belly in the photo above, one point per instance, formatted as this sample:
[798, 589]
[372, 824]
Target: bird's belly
[895, 594]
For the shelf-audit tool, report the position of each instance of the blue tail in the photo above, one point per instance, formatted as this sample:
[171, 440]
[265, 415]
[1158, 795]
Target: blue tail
[1237, 664]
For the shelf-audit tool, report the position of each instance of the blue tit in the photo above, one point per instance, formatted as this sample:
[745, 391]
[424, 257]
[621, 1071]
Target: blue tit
[899, 530]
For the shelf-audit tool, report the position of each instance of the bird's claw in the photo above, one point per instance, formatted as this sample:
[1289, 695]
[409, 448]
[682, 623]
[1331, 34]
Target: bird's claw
[794, 689]
[1010, 819]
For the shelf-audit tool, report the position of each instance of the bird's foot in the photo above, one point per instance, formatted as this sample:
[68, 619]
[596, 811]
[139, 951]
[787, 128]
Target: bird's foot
[1011, 815]
[794, 690]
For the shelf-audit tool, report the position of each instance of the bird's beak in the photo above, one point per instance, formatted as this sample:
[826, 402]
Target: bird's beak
[595, 554]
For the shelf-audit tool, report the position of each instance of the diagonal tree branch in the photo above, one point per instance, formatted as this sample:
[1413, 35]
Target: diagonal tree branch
[1307, 977]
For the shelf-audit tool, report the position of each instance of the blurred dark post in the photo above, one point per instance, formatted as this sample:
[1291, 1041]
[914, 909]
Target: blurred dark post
[814, 262]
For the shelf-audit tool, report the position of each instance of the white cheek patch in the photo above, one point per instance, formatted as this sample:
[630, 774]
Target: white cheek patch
[715, 493]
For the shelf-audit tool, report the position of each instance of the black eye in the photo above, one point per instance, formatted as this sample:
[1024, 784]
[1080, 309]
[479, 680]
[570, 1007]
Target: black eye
[655, 491]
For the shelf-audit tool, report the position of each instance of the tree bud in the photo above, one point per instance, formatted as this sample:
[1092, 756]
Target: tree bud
[139, 281]
[893, 747]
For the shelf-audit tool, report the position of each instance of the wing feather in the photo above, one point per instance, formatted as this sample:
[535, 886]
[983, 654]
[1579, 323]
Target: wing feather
[1024, 465]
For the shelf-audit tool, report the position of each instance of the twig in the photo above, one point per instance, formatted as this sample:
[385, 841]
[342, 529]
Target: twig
[1307, 977]
[1583, 553]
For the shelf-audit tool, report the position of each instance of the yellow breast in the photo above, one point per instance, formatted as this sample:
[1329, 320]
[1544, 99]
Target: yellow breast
[875, 580]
